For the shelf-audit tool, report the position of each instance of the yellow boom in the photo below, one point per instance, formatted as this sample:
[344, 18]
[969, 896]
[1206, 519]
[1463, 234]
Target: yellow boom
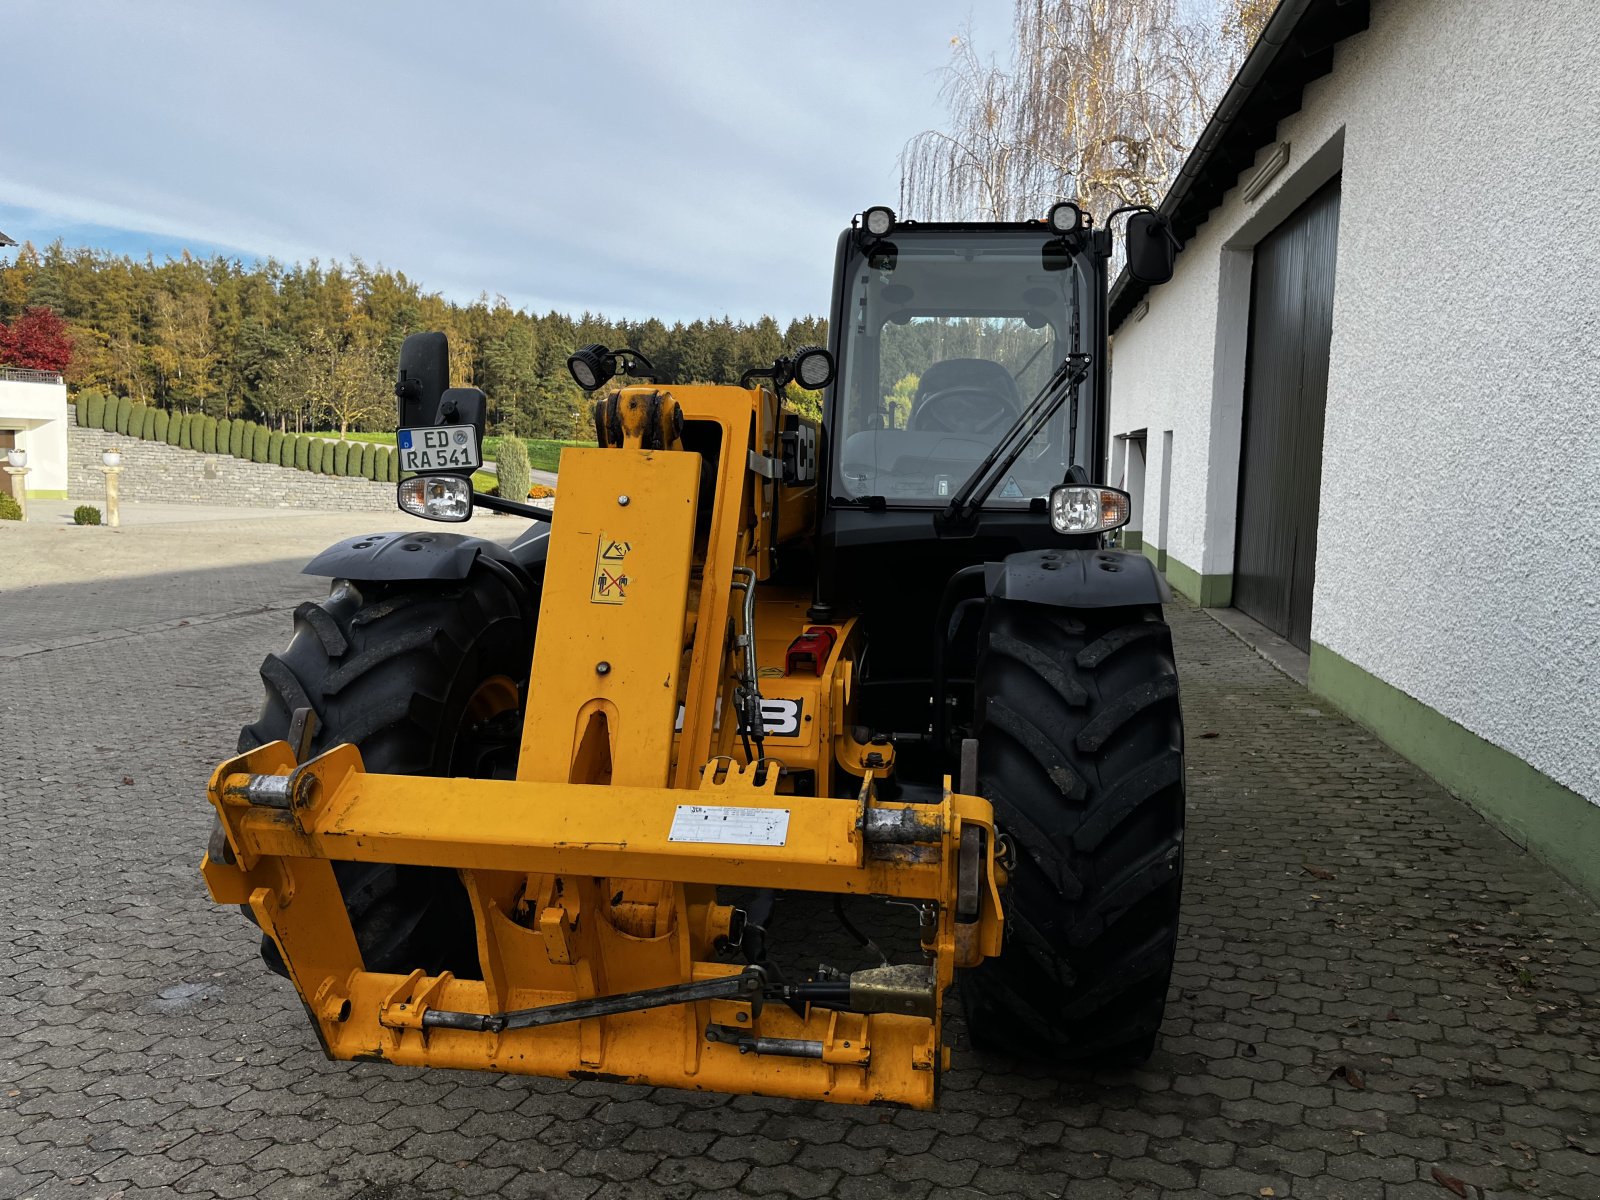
[593, 874]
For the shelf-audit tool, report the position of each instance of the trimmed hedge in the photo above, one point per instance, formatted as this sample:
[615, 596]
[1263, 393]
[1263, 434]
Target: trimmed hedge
[91, 409]
[208, 434]
[261, 438]
[369, 460]
[341, 459]
[286, 451]
[235, 437]
[302, 452]
[274, 448]
[160, 423]
[124, 407]
[147, 429]
[515, 472]
[174, 428]
[314, 454]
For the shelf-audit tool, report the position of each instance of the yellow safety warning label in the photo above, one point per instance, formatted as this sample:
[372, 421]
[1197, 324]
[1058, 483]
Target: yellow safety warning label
[610, 572]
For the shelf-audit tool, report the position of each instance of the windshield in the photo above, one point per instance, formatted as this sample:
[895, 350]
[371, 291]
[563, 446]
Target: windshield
[947, 342]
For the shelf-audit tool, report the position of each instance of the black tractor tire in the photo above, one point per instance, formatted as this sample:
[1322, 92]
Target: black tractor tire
[1080, 750]
[424, 678]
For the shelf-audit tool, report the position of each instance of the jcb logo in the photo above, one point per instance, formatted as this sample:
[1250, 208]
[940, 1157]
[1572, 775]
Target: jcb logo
[780, 718]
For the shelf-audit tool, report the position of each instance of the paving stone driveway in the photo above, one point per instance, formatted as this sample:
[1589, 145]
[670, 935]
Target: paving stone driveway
[1377, 995]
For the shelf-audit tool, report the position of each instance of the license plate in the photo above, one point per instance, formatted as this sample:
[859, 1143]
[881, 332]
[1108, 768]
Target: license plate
[439, 448]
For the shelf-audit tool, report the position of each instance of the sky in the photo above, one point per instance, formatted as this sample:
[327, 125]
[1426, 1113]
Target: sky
[675, 160]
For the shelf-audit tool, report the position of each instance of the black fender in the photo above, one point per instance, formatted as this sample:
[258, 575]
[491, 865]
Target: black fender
[1077, 579]
[416, 555]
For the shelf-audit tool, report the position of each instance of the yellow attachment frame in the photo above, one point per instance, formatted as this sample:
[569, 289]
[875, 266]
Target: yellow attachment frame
[592, 876]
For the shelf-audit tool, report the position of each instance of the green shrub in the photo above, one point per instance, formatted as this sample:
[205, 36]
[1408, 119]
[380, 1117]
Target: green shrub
[10, 510]
[314, 455]
[91, 409]
[147, 431]
[185, 424]
[208, 434]
[302, 452]
[124, 408]
[260, 439]
[341, 458]
[174, 428]
[369, 460]
[136, 420]
[86, 514]
[159, 424]
[286, 451]
[380, 466]
[236, 443]
[330, 457]
[516, 473]
[274, 448]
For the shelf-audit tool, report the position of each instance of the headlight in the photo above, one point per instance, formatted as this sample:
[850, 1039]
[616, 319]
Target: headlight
[1075, 508]
[813, 367]
[591, 366]
[436, 497]
[878, 220]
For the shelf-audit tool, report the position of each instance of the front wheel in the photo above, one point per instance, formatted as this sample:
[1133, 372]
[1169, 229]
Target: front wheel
[424, 678]
[1080, 750]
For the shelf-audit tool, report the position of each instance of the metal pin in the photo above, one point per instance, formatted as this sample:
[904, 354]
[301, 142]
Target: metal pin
[622, 500]
[602, 668]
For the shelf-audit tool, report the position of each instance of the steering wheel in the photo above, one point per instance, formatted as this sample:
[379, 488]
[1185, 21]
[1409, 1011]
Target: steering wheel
[963, 410]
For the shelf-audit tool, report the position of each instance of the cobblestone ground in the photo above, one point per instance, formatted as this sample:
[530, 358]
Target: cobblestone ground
[1377, 996]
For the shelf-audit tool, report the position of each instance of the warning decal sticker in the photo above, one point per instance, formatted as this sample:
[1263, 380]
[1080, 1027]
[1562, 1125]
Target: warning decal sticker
[1011, 491]
[611, 580]
[716, 825]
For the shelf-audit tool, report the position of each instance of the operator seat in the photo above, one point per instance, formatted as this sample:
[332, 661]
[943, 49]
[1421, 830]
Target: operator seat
[977, 373]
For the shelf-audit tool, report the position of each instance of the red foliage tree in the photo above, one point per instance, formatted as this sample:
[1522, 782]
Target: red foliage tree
[37, 340]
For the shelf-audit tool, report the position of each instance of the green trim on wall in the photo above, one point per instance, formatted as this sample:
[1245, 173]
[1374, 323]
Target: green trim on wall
[1132, 539]
[1553, 822]
[47, 494]
[1208, 591]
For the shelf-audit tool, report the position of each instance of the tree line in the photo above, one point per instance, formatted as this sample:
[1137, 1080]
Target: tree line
[308, 346]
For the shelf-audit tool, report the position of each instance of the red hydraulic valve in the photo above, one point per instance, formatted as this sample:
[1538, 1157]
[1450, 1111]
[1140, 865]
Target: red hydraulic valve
[809, 651]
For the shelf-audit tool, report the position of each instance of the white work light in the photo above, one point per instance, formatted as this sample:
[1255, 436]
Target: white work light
[437, 497]
[813, 367]
[1076, 508]
[591, 366]
[878, 220]
[1066, 217]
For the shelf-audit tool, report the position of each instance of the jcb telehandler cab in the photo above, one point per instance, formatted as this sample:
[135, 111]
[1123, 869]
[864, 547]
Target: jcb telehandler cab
[485, 814]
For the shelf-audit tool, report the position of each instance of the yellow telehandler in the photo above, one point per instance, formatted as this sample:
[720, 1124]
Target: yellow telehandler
[526, 808]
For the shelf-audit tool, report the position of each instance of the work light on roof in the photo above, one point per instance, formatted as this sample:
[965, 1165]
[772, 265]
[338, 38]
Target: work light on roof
[1066, 217]
[878, 220]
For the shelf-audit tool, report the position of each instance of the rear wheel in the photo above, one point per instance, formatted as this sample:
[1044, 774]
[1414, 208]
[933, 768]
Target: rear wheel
[424, 678]
[1080, 749]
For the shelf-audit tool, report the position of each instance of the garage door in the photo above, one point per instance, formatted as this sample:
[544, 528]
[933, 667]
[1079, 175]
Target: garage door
[1286, 394]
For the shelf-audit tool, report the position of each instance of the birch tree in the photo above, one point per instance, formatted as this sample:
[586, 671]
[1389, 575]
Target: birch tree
[1101, 101]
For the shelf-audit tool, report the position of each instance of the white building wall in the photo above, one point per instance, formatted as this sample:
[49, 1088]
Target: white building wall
[1460, 509]
[38, 414]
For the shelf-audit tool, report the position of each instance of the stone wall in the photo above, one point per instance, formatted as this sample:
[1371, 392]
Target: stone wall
[159, 473]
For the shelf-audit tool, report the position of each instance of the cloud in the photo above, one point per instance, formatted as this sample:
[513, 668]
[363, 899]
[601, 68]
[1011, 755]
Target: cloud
[637, 159]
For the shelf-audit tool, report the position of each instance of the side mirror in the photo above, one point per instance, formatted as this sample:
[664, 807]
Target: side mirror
[424, 375]
[1152, 248]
